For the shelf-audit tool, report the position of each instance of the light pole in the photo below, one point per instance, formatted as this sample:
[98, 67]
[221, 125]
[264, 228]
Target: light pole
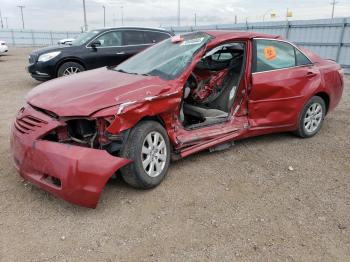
[21, 7]
[104, 16]
[195, 19]
[7, 24]
[2, 23]
[178, 13]
[122, 13]
[85, 22]
[266, 14]
[333, 7]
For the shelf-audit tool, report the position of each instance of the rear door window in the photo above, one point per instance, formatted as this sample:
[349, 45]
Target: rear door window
[272, 55]
[133, 37]
[154, 37]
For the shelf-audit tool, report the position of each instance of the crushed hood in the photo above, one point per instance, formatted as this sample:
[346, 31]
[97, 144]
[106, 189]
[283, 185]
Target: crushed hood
[85, 93]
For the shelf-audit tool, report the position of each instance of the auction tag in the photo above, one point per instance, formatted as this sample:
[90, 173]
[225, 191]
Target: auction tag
[270, 53]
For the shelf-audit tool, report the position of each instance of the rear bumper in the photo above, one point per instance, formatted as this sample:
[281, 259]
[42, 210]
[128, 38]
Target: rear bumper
[73, 173]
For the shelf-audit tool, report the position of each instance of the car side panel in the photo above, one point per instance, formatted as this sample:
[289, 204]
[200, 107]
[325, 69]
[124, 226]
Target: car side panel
[333, 81]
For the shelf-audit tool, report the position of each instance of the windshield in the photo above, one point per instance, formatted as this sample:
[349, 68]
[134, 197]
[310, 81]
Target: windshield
[84, 37]
[167, 59]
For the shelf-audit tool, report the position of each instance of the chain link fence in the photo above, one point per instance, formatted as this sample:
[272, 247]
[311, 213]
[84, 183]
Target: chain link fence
[31, 38]
[329, 38]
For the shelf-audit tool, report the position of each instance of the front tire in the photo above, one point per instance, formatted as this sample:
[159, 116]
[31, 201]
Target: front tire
[70, 68]
[311, 118]
[149, 147]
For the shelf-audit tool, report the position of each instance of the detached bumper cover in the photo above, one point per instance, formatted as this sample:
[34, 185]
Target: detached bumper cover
[80, 173]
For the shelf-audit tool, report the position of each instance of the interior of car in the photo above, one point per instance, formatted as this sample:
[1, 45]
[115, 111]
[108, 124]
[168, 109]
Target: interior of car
[210, 90]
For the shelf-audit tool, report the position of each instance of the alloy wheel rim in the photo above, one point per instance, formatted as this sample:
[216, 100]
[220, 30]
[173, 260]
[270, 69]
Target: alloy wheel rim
[313, 117]
[154, 154]
[71, 71]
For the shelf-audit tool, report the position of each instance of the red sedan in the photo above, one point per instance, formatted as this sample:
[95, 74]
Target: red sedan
[190, 93]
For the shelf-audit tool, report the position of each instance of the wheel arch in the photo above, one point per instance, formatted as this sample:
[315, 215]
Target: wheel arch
[326, 99]
[155, 118]
[69, 59]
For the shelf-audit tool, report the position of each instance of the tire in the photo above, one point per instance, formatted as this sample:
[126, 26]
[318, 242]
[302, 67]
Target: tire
[140, 151]
[311, 117]
[69, 68]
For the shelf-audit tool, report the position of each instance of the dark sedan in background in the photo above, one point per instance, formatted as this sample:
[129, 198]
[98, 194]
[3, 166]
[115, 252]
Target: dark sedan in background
[93, 49]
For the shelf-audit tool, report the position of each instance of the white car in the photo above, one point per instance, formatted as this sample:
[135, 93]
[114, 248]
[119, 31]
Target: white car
[3, 47]
[66, 41]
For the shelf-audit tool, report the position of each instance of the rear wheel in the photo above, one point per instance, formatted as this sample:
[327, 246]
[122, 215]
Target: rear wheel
[149, 147]
[312, 117]
[70, 68]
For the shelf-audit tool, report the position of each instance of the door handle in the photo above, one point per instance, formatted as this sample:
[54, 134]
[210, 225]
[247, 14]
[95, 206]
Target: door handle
[120, 53]
[311, 74]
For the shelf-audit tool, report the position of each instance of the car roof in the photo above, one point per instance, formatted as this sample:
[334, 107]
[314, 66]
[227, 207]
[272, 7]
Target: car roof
[133, 28]
[223, 35]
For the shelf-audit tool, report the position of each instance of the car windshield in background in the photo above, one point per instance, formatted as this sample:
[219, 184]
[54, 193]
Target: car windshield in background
[167, 59]
[84, 37]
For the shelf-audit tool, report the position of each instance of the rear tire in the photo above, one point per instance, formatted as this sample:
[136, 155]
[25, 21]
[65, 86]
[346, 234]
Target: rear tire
[149, 147]
[311, 117]
[69, 68]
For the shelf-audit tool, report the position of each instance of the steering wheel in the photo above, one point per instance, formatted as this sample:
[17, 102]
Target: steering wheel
[191, 84]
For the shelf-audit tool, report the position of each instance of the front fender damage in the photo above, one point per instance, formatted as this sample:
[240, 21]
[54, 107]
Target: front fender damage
[130, 113]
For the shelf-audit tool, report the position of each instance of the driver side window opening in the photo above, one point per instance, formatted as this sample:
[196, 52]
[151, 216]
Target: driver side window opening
[210, 91]
[110, 39]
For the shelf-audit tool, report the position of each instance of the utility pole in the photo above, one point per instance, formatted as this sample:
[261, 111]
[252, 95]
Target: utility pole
[333, 7]
[236, 19]
[178, 13]
[85, 22]
[195, 19]
[114, 20]
[122, 13]
[2, 24]
[21, 7]
[104, 16]
[7, 24]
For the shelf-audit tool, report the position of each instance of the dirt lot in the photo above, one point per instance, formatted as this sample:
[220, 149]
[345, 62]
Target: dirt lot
[242, 204]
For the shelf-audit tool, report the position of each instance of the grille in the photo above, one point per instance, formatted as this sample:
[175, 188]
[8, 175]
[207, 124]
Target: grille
[28, 124]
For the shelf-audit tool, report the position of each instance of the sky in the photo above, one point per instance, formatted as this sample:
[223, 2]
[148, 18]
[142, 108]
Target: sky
[67, 15]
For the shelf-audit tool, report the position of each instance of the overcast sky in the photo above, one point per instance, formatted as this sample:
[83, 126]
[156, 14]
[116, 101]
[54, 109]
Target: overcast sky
[68, 14]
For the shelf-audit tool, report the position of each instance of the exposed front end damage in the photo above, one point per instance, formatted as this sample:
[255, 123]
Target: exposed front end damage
[70, 159]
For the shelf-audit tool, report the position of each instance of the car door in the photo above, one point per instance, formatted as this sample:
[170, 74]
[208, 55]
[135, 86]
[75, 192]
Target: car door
[282, 79]
[110, 51]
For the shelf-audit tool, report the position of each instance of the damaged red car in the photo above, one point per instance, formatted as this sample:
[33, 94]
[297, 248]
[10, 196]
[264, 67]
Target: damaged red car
[193, 92]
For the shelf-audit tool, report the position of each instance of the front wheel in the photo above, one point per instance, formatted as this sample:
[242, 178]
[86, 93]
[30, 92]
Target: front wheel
[70, 68]
[149, 147]
[312, 117]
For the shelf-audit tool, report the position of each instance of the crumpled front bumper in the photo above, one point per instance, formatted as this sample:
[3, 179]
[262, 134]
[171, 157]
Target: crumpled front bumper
[73, 173]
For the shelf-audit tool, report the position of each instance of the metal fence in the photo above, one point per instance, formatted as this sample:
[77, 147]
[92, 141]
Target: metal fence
[329, 38]
[34, 38]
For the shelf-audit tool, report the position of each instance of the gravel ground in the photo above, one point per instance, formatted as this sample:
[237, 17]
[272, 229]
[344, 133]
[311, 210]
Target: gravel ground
[243, 204]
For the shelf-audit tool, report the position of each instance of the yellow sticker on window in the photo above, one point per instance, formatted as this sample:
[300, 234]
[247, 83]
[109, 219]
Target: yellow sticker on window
[270, 53]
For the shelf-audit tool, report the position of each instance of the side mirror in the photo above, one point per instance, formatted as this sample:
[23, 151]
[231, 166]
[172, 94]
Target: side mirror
[95, 43]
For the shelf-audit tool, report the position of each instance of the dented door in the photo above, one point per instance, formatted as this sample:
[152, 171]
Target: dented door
[277, 95]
